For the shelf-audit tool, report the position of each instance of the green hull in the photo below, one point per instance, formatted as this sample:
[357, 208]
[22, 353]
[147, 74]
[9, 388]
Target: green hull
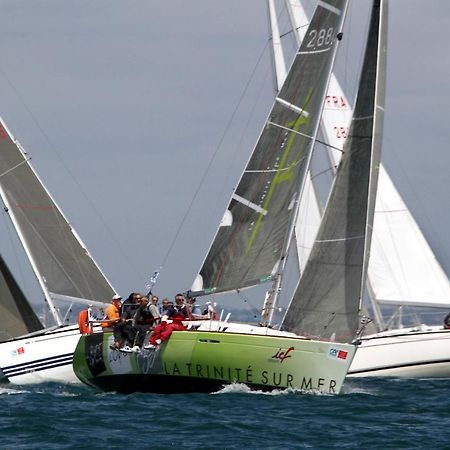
[205, 361]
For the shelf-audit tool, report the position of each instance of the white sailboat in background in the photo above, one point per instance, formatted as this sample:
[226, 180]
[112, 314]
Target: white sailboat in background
[403, 270]
[62, 265]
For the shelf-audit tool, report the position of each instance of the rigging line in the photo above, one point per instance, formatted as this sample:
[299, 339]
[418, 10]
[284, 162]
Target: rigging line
[214, 155]
[340, 150]
[53, 148]
[287, 33]
[256, 311]
[318, 174]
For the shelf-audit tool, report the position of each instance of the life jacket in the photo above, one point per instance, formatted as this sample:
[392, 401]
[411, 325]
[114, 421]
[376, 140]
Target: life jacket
[83, 322]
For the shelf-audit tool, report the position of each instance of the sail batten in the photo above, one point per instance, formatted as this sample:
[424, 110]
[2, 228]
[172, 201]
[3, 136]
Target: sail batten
[245, 252]
[327, 300]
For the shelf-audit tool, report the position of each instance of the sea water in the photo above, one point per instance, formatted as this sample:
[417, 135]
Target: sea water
[368, 414]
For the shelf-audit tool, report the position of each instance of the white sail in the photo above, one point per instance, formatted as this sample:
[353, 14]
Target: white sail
[278, 62]
[402, 269]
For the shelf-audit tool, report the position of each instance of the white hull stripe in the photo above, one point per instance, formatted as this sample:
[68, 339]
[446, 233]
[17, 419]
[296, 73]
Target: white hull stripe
[38, 365]
[399, 366]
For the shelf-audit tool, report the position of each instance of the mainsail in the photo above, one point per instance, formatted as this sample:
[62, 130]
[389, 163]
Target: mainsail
[327, 300]
[62, 264]
[16, 315]
[255, 229]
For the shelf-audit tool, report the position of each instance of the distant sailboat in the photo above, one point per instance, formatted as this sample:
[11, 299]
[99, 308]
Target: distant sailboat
[403, 270]
[253, 239]
[16, 314]
[62, 265]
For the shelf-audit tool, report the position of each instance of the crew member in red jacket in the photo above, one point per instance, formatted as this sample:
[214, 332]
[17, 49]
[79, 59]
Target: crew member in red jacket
[172, 321]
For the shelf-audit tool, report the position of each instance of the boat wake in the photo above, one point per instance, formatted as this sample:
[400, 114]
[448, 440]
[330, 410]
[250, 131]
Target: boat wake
[350, 388]
[239, 388]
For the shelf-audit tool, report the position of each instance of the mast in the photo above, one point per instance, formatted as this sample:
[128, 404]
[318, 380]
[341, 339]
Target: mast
[377, 127]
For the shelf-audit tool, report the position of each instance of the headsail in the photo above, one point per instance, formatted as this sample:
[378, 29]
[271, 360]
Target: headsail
[327, 300]
[251, 241]
[16, 315]
[60, 261]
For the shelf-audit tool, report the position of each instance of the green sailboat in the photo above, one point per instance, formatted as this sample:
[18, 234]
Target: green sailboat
[315, 346]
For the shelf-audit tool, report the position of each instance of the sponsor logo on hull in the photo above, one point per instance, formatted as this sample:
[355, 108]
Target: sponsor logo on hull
[337, 353]
[250, 375]
[281, 355]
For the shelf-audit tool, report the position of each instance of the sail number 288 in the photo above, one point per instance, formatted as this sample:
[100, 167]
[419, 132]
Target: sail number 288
[320, 38]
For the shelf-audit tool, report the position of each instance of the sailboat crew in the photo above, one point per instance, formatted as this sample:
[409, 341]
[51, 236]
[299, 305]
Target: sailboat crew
[142, 322]
[172, 321]
[112, 312]
[124, 333]
[153, 307]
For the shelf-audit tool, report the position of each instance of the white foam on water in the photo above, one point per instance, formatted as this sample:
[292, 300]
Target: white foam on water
[350, 388]
[66, 394]
[240, 388]
[12, 391]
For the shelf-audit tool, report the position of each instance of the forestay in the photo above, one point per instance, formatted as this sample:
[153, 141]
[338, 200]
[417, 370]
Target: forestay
[254, 231]
[327, 300]
[16, 315]
[62, 264]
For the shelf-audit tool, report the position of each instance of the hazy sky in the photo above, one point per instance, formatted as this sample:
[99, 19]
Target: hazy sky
[122, 104]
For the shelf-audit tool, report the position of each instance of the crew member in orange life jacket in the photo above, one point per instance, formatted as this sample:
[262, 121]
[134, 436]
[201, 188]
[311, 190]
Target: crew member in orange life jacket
[172, 321]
